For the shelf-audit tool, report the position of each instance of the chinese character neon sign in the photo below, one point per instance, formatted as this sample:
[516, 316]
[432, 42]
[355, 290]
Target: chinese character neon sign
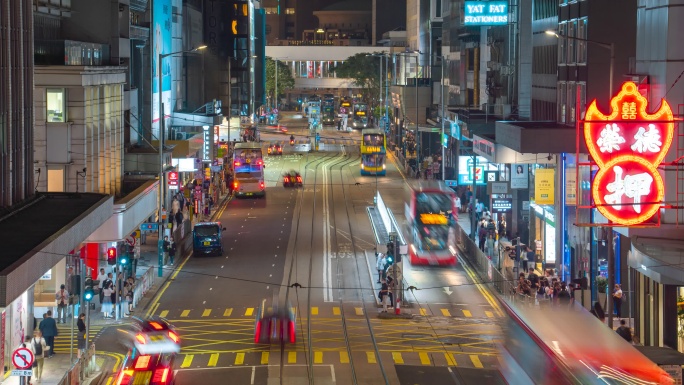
[628, 145]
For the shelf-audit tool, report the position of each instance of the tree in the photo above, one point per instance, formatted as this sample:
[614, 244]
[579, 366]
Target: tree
[285, 79]
[364, 70]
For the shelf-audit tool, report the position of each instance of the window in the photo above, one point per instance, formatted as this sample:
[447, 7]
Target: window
[562, 93]
[271, 10]
[289, 11]
[571, 102]
[583, 98]
[562, 52]
[572, 30]
[582, 45]
[55, 179]
[56, 106]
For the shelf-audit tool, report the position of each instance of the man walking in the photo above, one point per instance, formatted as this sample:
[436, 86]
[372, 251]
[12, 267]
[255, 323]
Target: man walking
[62, 298]
[40, 347]
[172, 251]
[48, 327]
[165, 247]
[101, 278]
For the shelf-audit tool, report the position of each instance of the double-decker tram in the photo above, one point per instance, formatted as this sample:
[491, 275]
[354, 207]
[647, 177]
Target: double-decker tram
[248, 164]
[373, 152]
[360, 118]
[431, 216]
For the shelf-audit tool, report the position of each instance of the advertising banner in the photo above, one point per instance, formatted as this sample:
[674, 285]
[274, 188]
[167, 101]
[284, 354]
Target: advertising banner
[544, 186]
[519, 176]
[571, 187]
[161, 44]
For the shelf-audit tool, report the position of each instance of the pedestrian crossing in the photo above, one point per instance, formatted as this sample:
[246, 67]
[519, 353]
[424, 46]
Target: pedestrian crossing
[425, 358]
[63, 339]
[468, 311]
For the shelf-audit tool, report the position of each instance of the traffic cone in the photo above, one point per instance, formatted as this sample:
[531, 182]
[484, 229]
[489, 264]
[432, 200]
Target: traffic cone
[397, 309]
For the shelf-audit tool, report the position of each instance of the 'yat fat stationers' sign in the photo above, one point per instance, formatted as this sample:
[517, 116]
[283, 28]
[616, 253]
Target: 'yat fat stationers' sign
[485, 13]
[628, 145]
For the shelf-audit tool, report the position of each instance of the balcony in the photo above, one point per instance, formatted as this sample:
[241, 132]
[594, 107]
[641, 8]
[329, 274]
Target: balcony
[70, 52]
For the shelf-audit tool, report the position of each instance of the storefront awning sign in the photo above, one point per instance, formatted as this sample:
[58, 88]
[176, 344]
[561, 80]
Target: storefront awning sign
[628, 145]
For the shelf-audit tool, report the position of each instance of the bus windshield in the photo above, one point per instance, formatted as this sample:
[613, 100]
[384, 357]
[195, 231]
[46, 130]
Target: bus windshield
[373, 160]
[206, 231]
[373, 140]
[248, 163]
[433, 203]
[360, 107]
[434, 237]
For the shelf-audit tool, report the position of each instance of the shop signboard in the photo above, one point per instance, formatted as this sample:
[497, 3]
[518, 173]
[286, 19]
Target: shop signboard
[628, 145]
[543, 186]
[570, 187]
[479, 13]
[502, 205]
[172, 180]
[484, 147]
[161, 44]
[47, 276]
[519, 177]
[465, 170]
[497, 188]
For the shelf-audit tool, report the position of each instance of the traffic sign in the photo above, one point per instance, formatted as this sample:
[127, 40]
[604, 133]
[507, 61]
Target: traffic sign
[22, 358]
[22, 372]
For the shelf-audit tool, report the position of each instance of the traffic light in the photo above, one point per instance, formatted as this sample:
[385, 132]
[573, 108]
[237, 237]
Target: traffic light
[111, 256]
[123, 260]
[390, 259]
[88, 292]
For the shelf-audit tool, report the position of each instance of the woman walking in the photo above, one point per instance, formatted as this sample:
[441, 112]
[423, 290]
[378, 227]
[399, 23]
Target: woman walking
[81, 334]
[107, 298]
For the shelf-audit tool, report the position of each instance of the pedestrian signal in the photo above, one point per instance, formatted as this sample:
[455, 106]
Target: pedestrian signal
[111, 256]
[88, 293]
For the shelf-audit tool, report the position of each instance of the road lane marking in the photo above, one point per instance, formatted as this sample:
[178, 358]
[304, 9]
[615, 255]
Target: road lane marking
[166, 286]
[370, 356]
[228, 312]
[359, 310]
[206, 312]
[476, 361]
[489, 314]
[249, 311]
[483, 290]
[264, 358]
[344, 358]
[396, 356]
[291, 357]
[185, 313]
[239, 358]
[467, 313]
[318, 357]
[424, 358]
[445, 312]
[213, 359]
[314, 310]
[187, 361]
[164, 313]
[336, 310]
[451, 361]
[423, 311]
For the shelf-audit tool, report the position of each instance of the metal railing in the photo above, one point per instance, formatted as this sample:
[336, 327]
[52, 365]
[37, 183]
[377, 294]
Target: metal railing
[143, 285]
[83, 368]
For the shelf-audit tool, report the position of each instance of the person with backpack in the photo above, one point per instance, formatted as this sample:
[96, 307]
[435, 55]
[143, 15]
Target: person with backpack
[40, 348]
[27, 345]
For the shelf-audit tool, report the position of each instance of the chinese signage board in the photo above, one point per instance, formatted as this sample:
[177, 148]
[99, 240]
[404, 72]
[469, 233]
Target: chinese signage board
[628, 144]
[485, 13]
[570, 187]
[543, 186]
[502, 205]
[484, 148]
[172, 180]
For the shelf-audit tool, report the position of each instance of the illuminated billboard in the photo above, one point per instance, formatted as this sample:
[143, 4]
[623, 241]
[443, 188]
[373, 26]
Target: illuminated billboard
[477, 13]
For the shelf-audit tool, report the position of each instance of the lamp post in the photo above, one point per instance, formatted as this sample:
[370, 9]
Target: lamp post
[442, 120]
[608, 46]
[160, 242]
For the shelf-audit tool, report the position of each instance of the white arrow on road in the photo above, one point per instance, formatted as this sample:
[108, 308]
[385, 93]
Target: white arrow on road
[447, 290]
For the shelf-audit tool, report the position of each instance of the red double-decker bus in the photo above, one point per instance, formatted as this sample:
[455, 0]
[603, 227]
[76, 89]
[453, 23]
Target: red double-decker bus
[431, 215]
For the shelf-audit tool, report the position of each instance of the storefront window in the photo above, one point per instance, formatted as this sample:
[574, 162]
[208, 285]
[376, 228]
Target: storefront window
[56, 106]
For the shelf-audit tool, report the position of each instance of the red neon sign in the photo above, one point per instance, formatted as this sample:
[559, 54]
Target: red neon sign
[173, 179]
[628, 145]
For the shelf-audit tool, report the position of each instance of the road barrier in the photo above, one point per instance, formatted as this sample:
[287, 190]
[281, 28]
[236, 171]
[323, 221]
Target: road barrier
[143, 285]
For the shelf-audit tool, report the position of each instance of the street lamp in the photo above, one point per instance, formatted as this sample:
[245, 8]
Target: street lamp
[608, 46]
[160, 243]
[444, 59]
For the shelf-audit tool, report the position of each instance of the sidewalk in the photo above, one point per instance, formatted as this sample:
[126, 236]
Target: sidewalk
[55, 368]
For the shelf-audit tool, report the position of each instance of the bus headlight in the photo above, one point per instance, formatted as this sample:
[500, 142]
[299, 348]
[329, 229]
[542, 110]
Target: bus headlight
[362, 166]
[384, 166]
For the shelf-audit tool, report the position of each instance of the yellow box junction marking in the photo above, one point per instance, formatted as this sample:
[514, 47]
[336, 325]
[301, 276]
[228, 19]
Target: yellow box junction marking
[187, 361]
[397, 358]
[467, 313]
[318, 357]
[424, 358]
[371, 358]
[249, 311]
[445, 312]
[336, 310]
[264, 358]
[206, 312]
[240, 359]
[228, 312]
[476, 361]
[213, 359]
[344, 358]
[185, 313]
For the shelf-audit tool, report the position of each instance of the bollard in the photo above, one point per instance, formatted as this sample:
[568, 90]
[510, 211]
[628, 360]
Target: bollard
[397, 309]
